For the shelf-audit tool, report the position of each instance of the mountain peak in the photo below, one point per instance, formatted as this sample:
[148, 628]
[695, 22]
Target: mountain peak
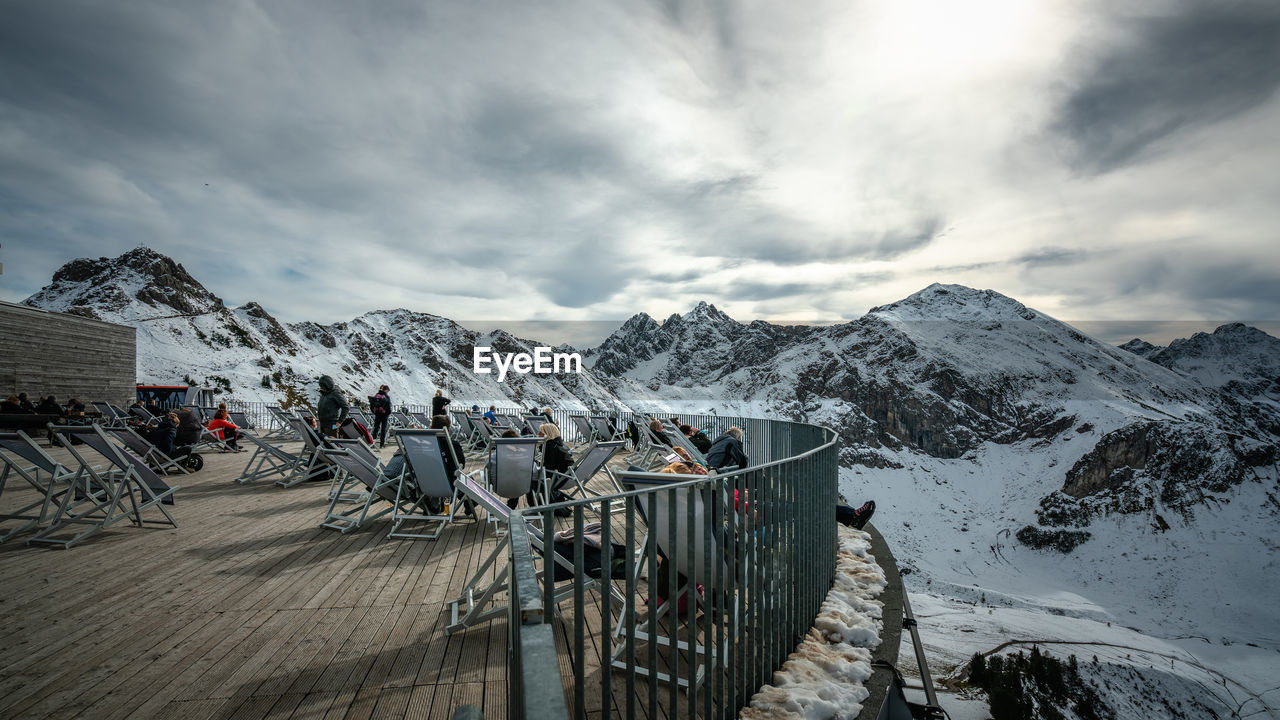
[939, 301]
[138, 284]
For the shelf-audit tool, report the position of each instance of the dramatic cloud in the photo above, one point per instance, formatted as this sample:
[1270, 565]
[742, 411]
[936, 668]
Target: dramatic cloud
[566, 162]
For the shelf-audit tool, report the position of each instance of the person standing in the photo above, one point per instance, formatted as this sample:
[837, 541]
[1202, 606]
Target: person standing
[438, 403]
[380, 406]
[332, 408]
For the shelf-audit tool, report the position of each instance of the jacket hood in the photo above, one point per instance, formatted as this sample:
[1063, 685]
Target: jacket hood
[326, 383]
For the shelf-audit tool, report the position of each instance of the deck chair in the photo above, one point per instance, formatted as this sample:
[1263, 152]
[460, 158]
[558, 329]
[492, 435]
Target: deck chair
[604, 431]
[700, 573]
[268, 460]
[361, 418]
[512, 468]
[363, 508]
[586, 431]
[101, 499]
[27, 462]
[110, 417]
[153, 456]
[595, 459]
[311, 463]
[426, 479]
[676, 434]
[484, 437]
[142, 415]
[475, 604]
[400, 419]
[283, 429]
[342, 482]
[421, 420]
[240, 419]
[534, 422]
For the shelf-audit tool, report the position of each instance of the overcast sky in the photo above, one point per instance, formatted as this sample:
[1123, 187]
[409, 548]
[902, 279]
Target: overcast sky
[584, 161]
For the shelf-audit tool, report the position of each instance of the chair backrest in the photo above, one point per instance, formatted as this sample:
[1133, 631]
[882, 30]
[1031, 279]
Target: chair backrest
[357, 447]
[20, 444]
[141, 413]
[595, 458]
[422, 451]
[240, 420]
[585, 430]
[660, 526]
[461, 422]
[512, 466]
[105, 409]
[485, 499]
[483, 430]
[601, 425]
[309, 437]
[677, 435]
[123, 459]
[361, 418]
[353, 465]
[534, 422]
[131, 440]
[118, 412]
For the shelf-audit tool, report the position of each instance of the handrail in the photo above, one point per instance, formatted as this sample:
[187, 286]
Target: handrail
[746, 537]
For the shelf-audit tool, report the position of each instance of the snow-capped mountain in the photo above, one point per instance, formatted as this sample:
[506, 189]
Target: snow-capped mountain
[186, 332]
[1028, 475]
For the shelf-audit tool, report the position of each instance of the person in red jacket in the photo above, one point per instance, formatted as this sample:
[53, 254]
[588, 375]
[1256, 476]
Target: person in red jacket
[225, 430]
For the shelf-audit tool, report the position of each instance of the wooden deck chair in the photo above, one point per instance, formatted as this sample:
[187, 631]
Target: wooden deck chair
[672, 547]
[425, 480]
[153, 456]
[27, 462]
[475, 604]
[381, 489]
[100, 499]
[595, 459]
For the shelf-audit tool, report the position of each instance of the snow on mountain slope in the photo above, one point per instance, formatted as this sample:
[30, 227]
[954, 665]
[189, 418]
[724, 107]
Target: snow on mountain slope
[983, 428]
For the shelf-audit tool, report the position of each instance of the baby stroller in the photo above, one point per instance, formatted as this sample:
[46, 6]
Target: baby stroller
[184, 443]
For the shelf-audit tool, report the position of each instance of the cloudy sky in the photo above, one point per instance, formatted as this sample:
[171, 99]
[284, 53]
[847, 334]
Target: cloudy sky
[583, 161]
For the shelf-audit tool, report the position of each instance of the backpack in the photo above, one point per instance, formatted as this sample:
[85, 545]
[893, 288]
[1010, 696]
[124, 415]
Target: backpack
[380, 404]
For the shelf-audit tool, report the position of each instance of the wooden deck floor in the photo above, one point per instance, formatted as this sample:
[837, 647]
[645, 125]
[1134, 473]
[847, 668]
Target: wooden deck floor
[246, 610]
[249, 610]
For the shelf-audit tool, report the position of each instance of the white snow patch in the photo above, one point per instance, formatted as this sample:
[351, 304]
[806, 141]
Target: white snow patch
[824, 677]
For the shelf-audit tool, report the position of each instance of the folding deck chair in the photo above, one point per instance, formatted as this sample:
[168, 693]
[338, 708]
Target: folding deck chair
[284, 429]
[700, 573]
[101, 499]
[595, 459]
[424, 461]
[484, 437]
[512, 469]
[142, 415]
[604, 430]
[586, 431]
[312, 463]
[153, 456]
[110, 418]
[533, 422]
[475, 604]
[674, 432]
[420, 419]
[362, 509]
[24, 459]
[240, 419]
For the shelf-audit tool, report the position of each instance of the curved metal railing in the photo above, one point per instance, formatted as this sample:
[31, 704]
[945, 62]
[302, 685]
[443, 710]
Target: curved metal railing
[698, 590]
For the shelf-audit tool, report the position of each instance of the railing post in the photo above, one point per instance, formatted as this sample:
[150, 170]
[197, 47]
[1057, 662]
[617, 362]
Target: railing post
[533, 680]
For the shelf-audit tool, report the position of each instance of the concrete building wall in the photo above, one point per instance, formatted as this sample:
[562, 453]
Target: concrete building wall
[47, 353]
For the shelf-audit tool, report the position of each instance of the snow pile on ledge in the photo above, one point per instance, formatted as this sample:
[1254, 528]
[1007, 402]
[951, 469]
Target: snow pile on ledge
[823, 678]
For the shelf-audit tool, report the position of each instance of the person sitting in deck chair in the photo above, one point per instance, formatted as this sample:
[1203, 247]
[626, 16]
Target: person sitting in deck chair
[11, 406]
[695, 467]
[225, 430]
[49, 406]
[556, 457]
[726, 451]
[697, 437]
[491, 416]
[655, 426]
[163, 435]
[441, 422]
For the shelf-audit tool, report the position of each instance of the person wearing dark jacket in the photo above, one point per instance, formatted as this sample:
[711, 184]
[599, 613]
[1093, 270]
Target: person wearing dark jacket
[380, 406]
[726, 451]
[162, 435]
[332, 408]
[698, 438]
[655, 427]
[438, 403]
[556, 457]
[49, 406]
[11, 406]
[25, 404]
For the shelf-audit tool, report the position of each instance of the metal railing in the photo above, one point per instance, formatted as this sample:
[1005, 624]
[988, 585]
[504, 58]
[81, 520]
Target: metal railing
[734, 568]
